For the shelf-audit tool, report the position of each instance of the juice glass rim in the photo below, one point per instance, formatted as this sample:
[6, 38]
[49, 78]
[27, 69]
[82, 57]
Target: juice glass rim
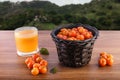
[17, 30]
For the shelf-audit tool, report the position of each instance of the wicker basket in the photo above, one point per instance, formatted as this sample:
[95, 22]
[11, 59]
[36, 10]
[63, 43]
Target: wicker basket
[74, 53]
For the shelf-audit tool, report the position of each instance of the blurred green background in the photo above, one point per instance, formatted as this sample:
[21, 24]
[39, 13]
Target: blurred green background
[103, 14]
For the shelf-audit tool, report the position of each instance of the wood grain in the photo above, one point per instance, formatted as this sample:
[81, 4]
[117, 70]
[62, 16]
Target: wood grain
[12, 66]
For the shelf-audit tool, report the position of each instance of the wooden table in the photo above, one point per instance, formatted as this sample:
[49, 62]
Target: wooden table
[12, 66]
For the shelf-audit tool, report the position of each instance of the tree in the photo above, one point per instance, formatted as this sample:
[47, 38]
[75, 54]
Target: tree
[57, 19]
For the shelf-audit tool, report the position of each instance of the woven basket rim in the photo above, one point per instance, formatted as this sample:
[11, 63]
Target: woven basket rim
[90, 28]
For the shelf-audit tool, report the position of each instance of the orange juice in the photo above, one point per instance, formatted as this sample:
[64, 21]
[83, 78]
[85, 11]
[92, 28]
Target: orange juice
[26, 40]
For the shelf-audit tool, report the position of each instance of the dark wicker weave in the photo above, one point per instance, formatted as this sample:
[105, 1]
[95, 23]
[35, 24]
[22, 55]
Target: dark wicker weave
[74, 53]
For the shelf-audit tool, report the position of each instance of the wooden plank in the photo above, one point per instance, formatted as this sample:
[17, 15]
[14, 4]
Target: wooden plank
[13, 67]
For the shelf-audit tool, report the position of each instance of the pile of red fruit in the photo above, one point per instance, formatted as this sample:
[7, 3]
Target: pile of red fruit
[36, 64]
[79, 33]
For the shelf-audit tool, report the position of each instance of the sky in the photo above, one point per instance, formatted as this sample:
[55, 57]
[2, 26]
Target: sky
[58, 2]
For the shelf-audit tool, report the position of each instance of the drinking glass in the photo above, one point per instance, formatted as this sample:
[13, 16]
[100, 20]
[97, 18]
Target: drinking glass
[26, 39]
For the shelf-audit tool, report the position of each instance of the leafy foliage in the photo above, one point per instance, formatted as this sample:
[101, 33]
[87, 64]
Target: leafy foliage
[103, 14]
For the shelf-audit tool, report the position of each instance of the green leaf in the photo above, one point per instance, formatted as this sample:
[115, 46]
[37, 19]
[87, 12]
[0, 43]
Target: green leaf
[53, 70]
[44, 51]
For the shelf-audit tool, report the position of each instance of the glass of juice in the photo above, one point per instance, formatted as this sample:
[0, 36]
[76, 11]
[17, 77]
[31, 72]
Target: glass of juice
[26, 39]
